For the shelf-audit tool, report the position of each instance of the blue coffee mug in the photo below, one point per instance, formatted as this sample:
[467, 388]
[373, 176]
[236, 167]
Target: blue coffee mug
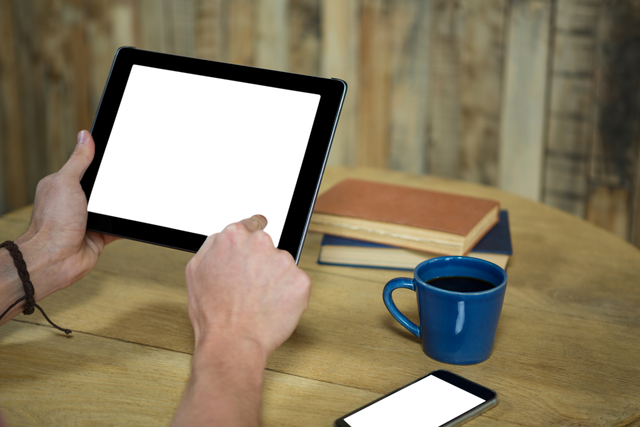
[455, 327]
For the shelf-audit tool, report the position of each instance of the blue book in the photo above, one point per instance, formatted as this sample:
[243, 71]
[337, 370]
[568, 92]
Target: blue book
[494, 247]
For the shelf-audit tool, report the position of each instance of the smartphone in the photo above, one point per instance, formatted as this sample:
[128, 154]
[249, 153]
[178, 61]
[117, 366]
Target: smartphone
[439, 399]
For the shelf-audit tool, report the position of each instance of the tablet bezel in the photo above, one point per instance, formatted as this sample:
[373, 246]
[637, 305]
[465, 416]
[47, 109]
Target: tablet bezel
[106, 120]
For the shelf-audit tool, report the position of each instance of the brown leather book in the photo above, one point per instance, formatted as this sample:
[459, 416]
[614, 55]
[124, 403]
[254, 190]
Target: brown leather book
[432, 221]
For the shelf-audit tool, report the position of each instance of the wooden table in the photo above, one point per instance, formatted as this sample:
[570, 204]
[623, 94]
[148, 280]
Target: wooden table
[567, 350]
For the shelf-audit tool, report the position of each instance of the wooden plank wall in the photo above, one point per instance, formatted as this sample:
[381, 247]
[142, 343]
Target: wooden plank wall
[539, 97]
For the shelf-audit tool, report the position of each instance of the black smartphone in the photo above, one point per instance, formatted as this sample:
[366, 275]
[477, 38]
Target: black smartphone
[439, 399]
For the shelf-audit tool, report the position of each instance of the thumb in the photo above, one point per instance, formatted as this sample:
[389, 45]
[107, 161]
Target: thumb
[82, 155]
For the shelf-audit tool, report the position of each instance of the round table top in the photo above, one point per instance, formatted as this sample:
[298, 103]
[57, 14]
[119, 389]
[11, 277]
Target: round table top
[567, 349]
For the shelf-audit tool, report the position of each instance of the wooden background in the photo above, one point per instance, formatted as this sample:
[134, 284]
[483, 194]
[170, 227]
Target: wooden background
[537, 97]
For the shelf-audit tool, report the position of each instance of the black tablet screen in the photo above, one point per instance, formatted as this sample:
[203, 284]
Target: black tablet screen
[195, 153]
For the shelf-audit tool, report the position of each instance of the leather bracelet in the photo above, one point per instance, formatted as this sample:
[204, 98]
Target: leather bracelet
[29, 291]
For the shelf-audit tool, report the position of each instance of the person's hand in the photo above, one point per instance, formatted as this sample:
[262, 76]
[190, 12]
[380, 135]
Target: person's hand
[240, 286]
[57, 232]
[245, 299]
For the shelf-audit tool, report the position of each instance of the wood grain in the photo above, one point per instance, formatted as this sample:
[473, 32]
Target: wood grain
[482, 28]
[210, 30]
[524, 102]
[179, 21]
[13, 176]
[373, 124]
[241, 32]
[444, 75]
[340, 59]
[99, 381]
[565, 353]
[572, 106]
[616, 141]
[516, 93]
[87, 374]
[29, 63]
[304, 37]
[108, 28]
[635, 209]
[272, 39]
[409, 86]
[150, 25]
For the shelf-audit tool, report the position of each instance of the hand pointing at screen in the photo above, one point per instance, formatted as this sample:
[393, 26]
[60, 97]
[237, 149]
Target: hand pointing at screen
[245, 299]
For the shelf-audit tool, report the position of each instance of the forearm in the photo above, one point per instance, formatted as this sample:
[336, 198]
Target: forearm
[44, 271]
[225, 387]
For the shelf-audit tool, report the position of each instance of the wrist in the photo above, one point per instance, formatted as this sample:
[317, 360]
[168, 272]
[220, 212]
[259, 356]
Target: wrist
[46, 268]
[40, 267]
[225, 387]
[220, 352]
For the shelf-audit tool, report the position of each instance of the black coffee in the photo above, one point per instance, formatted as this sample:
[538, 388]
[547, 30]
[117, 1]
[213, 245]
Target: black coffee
[461, 284]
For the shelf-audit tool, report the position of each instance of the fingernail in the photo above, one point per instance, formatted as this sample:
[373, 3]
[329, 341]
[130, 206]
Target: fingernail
[83, 136]
[266, 216]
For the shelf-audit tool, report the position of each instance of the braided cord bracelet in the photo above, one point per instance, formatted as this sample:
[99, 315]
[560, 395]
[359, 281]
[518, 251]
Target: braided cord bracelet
[30, 302]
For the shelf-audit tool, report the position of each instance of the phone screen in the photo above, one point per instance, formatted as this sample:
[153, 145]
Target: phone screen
[428, 402]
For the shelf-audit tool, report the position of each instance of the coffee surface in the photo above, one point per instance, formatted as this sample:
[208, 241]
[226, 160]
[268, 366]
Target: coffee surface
[461, 284]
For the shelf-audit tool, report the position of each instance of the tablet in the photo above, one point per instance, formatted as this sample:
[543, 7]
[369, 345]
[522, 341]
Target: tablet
[186, 146]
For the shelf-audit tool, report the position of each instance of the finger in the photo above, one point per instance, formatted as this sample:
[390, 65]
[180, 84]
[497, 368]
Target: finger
[81, 157]
[255, 223]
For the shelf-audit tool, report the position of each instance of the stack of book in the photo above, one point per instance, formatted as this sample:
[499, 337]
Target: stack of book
[369, 224]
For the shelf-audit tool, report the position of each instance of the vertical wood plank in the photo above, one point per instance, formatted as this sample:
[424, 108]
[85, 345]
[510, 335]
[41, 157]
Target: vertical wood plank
[150, 25]
[53, 61]
[77, 75]
[6, 57]
[432, 84]
[272, 45]
[524, 105]
[374, 95]
[571, 106]
[635, 208]
[31, 91]
[209, 29]
[410, 36]
[179, 24]
[616, 146]
[121, 14]
[241, 32]
[340, 59]
[444, 147]
[13, 174]
[63, 52]
[108, 26]
[482, 47]
[304, 37]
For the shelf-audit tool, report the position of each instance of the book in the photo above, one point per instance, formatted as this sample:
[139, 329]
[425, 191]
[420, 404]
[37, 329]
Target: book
[412, 218]
[494, 247]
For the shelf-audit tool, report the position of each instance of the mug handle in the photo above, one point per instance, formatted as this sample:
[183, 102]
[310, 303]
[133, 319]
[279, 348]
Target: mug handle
[392, 285]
